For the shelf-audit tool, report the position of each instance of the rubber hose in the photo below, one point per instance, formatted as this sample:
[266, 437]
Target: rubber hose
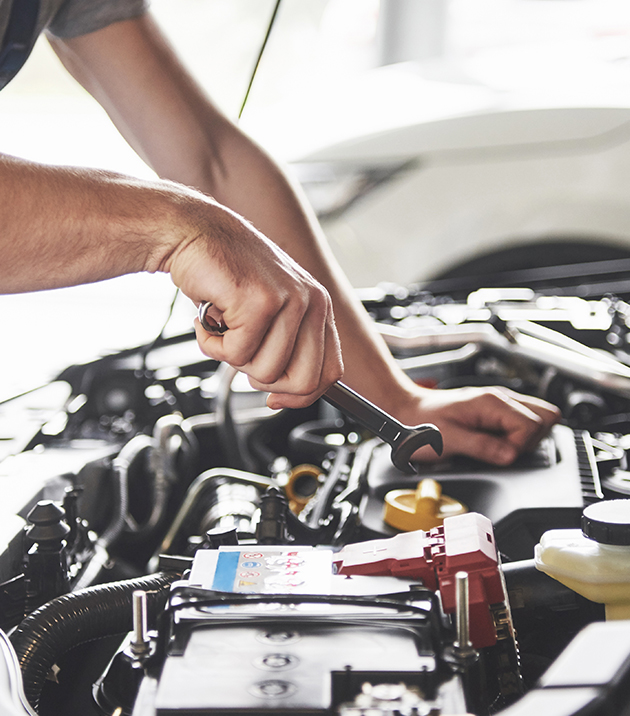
[129, 452]
[79, 617]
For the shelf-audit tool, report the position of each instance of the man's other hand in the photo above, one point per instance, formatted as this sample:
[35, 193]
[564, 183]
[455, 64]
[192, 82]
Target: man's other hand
[493, 424]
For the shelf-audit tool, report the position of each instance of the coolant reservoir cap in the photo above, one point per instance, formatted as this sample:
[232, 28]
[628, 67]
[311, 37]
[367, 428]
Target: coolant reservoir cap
[607, 522]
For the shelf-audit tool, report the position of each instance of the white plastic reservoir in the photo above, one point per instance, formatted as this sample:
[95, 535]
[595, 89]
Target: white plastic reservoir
[593, 561]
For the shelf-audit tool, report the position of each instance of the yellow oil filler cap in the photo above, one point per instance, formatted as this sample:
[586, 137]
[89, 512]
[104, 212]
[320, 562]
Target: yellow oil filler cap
[421, 509]
[593, 561]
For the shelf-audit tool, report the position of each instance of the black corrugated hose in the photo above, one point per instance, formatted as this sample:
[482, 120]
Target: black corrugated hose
[79, 617]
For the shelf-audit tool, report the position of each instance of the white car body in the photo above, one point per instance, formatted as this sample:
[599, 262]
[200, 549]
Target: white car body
[478, 172]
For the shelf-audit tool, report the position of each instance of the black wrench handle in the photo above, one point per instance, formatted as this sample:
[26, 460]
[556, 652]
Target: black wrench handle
[404, 440]
[363, 412]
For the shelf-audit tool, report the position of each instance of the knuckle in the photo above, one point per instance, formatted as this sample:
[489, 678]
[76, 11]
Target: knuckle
[298, 304]
[304, 299]
[268, 304]
[238, 356]
[333, 370]
[493, 396]
[322, 299]
[268, 376]
[310, 384]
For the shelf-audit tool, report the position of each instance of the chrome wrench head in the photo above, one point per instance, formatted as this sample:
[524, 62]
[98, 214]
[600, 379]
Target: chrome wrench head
[413, 439]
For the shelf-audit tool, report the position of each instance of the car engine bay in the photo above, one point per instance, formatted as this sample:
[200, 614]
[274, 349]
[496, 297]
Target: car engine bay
[171, 546]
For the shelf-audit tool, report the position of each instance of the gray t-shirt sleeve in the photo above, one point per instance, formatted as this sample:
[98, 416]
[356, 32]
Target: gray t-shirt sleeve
[78, 17]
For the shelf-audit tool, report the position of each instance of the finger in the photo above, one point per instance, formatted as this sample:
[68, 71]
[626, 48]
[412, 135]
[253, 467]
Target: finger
[332, 370]
[303, 371]
[248, 326]
[531, 419]
[300, 320]
[479, 445]
[250, 321]
[547, 412]
[211, 345]
[518, 424]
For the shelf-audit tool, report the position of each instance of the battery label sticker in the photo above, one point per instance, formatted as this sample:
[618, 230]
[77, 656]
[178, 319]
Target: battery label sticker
[225, 571]
[268, 570]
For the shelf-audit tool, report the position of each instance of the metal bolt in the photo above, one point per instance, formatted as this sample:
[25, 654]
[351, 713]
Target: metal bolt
[462, 643]
[140, 640]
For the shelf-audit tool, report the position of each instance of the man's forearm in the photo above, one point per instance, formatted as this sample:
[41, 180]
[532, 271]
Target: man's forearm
[64, 226]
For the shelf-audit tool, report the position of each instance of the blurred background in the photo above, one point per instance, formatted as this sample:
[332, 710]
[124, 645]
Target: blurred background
[427, 134]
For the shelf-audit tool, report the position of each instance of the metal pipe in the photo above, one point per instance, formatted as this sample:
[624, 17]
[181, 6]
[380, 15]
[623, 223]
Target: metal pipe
[197, 489]
[532, 342]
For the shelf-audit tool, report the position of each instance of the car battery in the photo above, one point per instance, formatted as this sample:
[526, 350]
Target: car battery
[263, 630]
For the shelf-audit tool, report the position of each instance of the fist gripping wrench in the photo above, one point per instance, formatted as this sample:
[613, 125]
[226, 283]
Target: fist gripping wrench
[404, 439]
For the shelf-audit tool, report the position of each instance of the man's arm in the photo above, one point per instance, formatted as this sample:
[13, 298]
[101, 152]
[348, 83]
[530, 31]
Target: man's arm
[63, 226]
[133, 73]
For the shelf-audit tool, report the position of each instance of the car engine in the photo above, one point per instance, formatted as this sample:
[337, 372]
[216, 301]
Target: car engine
[171, 546]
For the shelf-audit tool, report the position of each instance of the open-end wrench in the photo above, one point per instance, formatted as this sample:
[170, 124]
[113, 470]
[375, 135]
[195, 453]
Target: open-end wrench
[404, 439]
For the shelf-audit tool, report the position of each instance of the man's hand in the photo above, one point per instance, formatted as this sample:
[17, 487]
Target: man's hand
[281, 326]
[490, 424]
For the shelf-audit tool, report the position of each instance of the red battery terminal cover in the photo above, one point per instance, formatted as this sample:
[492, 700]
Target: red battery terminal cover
[464, 543]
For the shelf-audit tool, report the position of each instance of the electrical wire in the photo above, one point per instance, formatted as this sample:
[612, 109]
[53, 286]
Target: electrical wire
[160, 336]
[197, 597]
[260, 55]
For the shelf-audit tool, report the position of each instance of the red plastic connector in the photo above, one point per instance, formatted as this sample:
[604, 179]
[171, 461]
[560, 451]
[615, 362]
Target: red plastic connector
[464, 543]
